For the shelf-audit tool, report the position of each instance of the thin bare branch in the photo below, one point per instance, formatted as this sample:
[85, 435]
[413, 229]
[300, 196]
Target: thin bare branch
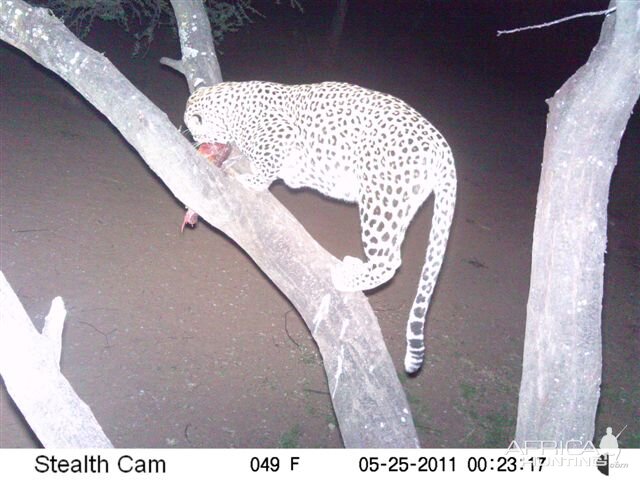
[175, 64]
[560, 20]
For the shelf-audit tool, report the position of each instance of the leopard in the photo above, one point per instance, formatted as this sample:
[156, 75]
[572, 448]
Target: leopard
[352, 144]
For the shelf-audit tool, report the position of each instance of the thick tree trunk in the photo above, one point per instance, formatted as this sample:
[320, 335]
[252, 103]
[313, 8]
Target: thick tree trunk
[562, 354]
[367, 396]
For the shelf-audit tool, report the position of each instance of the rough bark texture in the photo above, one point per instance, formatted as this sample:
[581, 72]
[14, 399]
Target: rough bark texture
[199, 59]
[367, 396]
[563, 346]
[30, 368]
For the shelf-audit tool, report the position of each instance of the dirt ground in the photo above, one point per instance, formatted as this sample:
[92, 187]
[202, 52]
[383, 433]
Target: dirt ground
[177, 340]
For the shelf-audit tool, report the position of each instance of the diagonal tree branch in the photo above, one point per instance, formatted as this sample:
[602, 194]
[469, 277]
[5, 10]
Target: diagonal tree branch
[368, 399]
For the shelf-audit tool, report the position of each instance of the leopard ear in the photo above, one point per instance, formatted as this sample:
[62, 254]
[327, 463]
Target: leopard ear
[197, 118]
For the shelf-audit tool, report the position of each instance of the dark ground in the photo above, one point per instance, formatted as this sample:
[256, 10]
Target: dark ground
[178, 340]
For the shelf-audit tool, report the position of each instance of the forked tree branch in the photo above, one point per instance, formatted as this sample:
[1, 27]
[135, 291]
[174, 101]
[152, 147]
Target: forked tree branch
[30, 368]
[368, 399]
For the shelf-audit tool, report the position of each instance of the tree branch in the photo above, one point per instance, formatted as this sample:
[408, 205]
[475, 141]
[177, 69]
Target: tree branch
[172, 63]
[30, 367]
[199, 59]
[368, 398]
[555, 22]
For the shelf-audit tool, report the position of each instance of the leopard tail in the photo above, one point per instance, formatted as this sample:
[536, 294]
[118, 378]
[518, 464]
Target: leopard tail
[443, 208]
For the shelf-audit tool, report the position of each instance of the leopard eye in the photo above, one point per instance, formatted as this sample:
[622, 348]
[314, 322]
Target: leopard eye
[197, 118]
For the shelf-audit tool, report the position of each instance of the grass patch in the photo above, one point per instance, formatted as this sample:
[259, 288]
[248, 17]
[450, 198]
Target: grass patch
[496, 427]
[468, 391]
[290, 438]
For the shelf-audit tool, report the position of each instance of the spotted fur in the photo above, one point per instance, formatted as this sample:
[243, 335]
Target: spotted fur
[351, 144]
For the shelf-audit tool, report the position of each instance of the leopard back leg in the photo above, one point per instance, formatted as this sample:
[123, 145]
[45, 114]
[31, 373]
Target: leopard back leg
[384, 221]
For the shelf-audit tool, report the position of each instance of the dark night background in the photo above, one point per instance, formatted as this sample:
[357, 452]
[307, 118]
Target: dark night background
[178, 340]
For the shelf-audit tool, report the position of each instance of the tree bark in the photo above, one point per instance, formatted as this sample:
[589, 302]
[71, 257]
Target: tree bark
[199, 60]
[563, 347]
[30, 367]
[368, 399]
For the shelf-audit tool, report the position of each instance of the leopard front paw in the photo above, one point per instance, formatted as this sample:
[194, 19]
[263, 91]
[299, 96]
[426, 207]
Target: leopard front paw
[345, 274]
